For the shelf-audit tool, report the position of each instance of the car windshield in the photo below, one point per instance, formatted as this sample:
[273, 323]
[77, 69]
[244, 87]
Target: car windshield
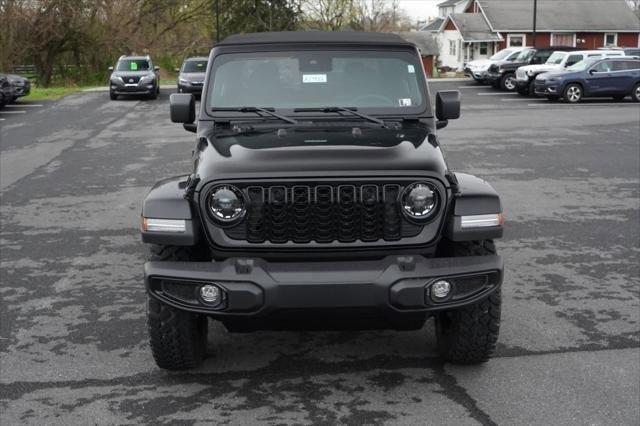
[383, 82]
[556, 58]
[498, 56]
[525, 55]
[583, 65]
[133, 65]
[195, 66]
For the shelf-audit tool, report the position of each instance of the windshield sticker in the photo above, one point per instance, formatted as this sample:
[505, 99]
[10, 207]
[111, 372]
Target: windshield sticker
[411, 69]
[314, 78]
[404, 102]
[133, 66]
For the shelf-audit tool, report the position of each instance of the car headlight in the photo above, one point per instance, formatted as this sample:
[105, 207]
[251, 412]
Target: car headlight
[147, 79]
[529, 72]
[226, 203]
[18, 82]
[419, 201]
[117, 80]
[183, 81]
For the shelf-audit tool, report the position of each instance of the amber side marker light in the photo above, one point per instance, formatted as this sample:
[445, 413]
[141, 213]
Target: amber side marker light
[163, 225]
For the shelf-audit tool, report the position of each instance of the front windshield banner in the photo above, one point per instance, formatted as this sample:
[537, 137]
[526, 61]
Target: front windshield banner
[374, 82]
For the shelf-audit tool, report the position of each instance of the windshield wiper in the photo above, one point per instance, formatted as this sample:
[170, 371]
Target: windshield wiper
[268, 111]
[352, 110]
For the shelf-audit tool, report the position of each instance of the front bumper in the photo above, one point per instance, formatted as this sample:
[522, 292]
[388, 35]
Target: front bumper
[137, 89]
[493, 77]
[257, 288]
[477, 75]
[544, 89]
[522, 85]
[188, 88]
[23, 90]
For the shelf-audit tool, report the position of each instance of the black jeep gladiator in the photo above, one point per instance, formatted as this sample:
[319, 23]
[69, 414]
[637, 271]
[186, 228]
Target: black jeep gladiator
[320, 198]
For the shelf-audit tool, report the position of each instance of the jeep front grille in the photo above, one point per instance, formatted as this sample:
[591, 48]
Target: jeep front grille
[323, 213]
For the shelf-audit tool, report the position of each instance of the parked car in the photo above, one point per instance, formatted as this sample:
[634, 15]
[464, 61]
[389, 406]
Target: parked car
[502, 74]
[592, 77]
[191, 75]
[558, 61]
[477, 69]
[6, 90]
[628, 51]
[134, 75]
[21, 86]
[319, 197]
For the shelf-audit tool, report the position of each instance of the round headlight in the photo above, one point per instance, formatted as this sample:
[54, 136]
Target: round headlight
[419, 201]
[226, 203]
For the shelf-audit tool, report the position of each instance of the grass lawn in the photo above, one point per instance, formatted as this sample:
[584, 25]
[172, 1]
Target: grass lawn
[43, 93]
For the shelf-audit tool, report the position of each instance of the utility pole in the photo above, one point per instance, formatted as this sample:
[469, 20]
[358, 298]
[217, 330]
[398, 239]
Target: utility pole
[535, 13]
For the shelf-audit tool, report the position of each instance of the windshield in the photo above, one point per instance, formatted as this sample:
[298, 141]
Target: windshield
[387, 81]
[195, 66]
[525, 55]
[498, 56]
[556, 58]
[133, 65]
[583, 65]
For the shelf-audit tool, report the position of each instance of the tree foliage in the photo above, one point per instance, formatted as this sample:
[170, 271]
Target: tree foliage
[76, 40]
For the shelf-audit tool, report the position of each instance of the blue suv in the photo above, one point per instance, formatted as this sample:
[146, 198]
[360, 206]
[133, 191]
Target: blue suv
[592, 77]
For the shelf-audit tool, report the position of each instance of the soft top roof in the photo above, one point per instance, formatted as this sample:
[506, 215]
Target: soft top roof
[321, 37]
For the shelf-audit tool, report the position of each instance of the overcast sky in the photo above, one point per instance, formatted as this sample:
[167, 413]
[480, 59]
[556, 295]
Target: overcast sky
[420, 9]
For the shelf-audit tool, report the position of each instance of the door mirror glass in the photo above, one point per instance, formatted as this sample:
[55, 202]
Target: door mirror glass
[156, 68]
[110, 68]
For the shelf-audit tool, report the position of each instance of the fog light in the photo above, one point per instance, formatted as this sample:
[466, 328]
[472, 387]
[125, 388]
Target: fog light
[211, 294]
[440, 289]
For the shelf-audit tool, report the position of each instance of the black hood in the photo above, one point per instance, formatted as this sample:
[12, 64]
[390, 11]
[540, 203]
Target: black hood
[301, 151]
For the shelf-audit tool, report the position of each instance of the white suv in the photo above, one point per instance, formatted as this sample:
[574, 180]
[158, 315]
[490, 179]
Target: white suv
[478, 68]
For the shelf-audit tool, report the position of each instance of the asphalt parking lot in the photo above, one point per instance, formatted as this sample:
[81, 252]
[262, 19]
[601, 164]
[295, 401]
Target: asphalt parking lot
[72, 320]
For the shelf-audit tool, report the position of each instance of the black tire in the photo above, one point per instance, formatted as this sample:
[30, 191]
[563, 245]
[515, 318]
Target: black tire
[635, 93]
[469, 335]
[178, 339]
[154, 94]
[508, 82]
[573, 93]
[113, 96]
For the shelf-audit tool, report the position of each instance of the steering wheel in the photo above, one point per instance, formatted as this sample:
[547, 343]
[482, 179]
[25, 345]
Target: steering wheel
[385, 101]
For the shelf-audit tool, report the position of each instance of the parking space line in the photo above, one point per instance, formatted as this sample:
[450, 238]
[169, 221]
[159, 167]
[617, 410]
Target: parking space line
[497, 94]
[23, 105]
[627, 104]
[12, 112]
[2, 119]
[472, 87]
[516, 100]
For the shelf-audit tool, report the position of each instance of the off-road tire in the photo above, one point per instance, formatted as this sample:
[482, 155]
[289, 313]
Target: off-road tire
[635, 93]
[469, 335]
[178, 339]
[508, 82]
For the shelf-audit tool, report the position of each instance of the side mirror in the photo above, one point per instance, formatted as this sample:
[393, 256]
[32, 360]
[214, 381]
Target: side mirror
[592, 71]
[156, 68]
[176, 69]
[110, 68]
[182, 108]
[447, 107]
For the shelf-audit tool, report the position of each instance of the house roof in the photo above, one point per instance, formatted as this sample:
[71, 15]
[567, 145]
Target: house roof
[424, 41]
[330, 37]
[560, 15]
[473, 27]
[433, 25]
[449, 3]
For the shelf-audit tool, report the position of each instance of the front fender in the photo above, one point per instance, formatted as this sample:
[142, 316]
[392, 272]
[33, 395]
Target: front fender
[475, 197]
[166, 201]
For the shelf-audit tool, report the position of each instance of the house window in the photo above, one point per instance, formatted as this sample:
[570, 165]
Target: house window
[483, 48]
[452, 47]
[516, 40]
[611, 39]
[563, 39]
